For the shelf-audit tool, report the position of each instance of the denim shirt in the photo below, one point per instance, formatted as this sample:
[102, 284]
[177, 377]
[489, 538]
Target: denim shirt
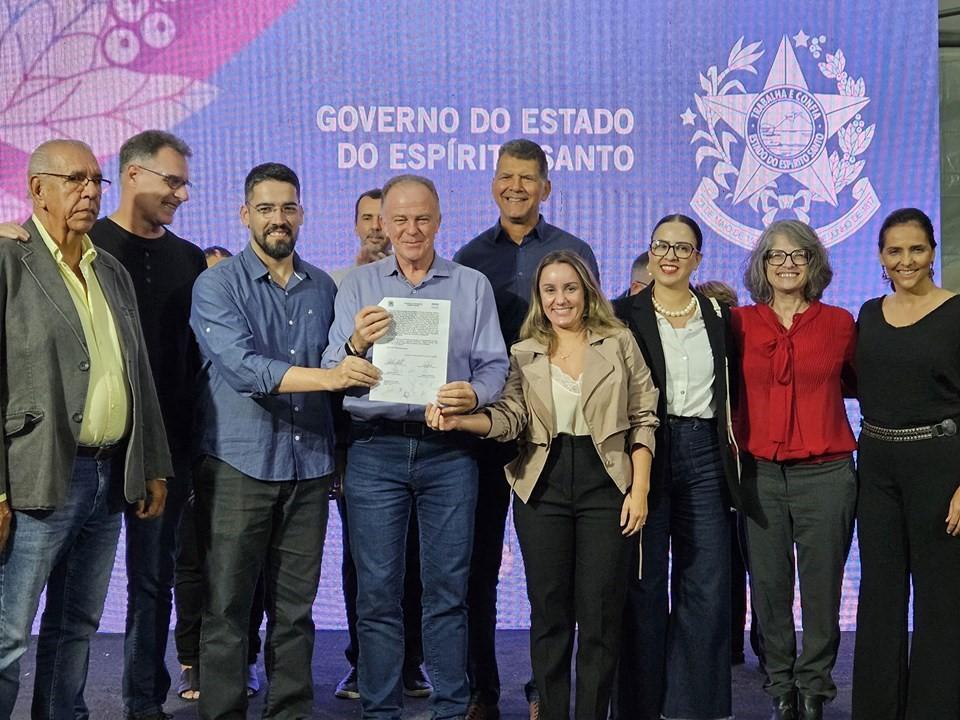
[250, 332]
[476, 352]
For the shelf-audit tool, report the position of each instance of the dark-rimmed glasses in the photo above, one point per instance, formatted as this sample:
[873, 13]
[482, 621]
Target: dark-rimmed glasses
[779, 257]
[77, 180]
[174, 182]
[265, 210]
[682, 250]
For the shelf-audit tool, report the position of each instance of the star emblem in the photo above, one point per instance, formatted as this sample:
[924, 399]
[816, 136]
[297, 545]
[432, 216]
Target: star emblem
[785, 129]
[800, 39]
[688, 116]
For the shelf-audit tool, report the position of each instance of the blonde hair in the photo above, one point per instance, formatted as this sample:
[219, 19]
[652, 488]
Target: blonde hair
[598, 313]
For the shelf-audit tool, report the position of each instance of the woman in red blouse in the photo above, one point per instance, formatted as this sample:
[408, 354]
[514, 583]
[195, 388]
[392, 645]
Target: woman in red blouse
[798, 486]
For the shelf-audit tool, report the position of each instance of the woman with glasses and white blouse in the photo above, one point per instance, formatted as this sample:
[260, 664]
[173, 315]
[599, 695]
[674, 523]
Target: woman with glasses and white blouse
[675, 659]
[799, 487]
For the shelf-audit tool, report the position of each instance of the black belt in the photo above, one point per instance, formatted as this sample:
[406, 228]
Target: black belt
[406, 428]
[99, 452]
[944, 428]
[682, 420]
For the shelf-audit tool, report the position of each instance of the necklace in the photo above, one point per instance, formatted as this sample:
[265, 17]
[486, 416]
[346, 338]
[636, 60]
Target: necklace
[675, 313]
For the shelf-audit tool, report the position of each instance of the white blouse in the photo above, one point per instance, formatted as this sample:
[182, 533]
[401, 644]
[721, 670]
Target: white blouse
[689, 361]
[567, 410]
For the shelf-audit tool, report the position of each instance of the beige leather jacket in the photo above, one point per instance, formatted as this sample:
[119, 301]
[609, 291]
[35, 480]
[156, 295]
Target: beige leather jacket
[617, 394]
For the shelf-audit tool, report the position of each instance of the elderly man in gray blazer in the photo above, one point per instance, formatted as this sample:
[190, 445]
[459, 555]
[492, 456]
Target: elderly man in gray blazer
[83, 434]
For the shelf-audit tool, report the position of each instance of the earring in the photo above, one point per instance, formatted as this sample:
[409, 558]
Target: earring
[883, 275]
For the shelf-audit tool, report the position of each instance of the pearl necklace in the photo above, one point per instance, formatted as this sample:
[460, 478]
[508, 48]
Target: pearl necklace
[675, 313]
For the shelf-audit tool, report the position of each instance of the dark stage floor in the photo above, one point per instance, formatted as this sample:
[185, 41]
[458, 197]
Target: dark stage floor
[103, 685]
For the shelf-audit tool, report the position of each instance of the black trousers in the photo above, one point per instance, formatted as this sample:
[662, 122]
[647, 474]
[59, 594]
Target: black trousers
[801, 521]
[248, 526]
[905, 490]
[493, 502]
[575, 559]
[188, 593]
[739, 571]
[412, 592]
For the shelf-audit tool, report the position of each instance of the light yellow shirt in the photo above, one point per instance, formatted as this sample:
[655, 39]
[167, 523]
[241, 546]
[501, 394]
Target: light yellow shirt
[106, 411]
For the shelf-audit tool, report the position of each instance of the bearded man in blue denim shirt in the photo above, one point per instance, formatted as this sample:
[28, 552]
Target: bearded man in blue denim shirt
[266, 449]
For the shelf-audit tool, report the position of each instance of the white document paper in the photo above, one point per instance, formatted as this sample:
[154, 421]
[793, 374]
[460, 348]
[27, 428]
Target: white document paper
[412, 356]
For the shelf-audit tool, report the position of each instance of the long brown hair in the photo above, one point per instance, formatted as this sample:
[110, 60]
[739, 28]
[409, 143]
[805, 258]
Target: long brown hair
[598, 312]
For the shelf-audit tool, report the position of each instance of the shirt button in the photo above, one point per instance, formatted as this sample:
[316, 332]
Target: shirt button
[84, 365]
[296, 408]
[78, 417]
[148, 280]
[309, 312]
[289, 322]
[292, 351]
[297, 438]
[683, 392]
[148, 266]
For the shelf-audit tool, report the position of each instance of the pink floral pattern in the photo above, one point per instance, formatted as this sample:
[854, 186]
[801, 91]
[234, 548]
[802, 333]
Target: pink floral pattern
[63, 74]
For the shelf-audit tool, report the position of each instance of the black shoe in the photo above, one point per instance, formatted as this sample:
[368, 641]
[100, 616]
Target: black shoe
[477, 710]
[811, 707]
[416, 684]
[785, 707]
[347, 688]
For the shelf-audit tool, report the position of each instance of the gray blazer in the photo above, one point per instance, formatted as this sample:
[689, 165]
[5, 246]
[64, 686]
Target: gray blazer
[44, 372]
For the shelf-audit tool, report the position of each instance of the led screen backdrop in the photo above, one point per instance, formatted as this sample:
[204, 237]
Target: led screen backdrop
[738, 113]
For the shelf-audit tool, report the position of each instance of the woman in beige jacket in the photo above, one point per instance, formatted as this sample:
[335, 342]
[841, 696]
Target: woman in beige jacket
[581, 402]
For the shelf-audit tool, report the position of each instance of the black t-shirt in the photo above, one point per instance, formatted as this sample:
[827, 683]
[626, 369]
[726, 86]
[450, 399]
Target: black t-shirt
[163, 271]
[909, 376]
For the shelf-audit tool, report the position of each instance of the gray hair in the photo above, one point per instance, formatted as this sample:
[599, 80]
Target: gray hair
[405, 179]
[148, 143]
[41, 158]
[819, 273]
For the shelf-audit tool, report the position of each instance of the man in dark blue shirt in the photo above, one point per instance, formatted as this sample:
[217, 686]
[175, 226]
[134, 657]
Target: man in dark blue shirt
[508, 254]
[266, 447]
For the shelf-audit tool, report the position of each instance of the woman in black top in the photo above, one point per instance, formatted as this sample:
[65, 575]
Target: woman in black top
[908, 361]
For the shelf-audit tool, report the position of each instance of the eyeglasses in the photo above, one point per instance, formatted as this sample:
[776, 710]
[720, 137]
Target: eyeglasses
[682, 250]
[779, 257]
[77, 181]
[266, 211]
[174, 182]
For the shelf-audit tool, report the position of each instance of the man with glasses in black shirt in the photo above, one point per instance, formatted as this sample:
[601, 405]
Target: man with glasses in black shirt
[154, 183]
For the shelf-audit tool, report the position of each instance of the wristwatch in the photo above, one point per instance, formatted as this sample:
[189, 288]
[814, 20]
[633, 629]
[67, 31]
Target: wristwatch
[351, 350]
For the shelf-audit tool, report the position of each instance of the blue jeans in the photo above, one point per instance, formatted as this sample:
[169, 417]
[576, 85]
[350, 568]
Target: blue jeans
[151, 550]
[676, 653]
[71, 551]
[387, 477]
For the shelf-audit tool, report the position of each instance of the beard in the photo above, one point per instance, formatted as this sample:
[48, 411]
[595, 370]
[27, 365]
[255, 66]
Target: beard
[280, 248]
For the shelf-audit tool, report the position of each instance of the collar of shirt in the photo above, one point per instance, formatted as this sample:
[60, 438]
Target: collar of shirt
[440, 267]
[88, 255]
[500, 235]
[255, 268]
[689, 364]
[696, 319]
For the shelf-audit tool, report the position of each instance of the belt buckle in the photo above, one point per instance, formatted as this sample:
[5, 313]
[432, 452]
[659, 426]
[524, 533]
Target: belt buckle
[105, 451]
[945, 428]
[411, 429]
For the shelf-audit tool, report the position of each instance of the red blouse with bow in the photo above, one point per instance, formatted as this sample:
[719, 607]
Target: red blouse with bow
[793, 383]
